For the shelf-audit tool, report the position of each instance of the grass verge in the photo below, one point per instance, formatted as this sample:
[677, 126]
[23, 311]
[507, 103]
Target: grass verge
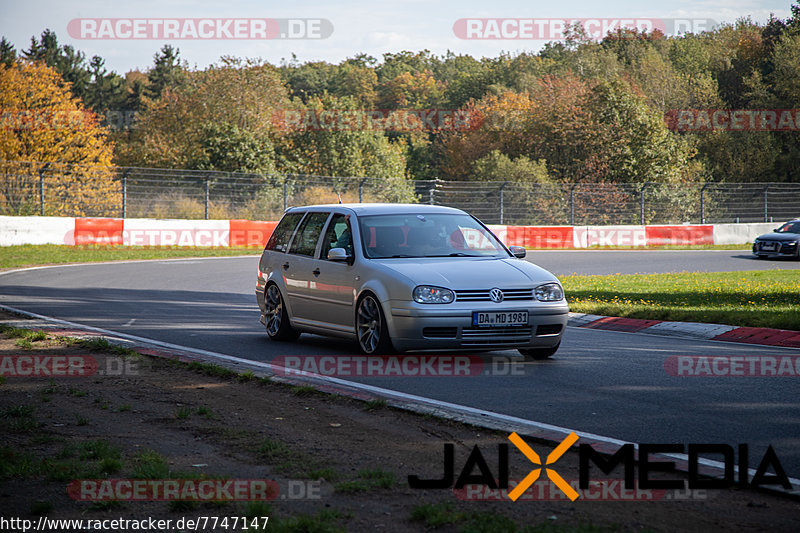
[50, 254]
[762, 298]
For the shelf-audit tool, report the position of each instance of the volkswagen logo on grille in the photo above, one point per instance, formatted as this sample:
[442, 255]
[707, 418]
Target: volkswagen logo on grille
[496, 295]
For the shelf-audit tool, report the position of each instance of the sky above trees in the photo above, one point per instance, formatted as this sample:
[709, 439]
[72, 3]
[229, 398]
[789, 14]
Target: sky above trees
[359, 26]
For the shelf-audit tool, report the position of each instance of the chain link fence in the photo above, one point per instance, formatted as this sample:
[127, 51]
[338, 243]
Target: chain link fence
[128, 192]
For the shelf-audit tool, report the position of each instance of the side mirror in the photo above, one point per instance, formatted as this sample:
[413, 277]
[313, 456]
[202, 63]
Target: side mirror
[518, 251]
[776, 230]
[339, 254]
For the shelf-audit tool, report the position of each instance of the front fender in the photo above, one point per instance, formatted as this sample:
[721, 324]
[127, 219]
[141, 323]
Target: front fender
[382, 292]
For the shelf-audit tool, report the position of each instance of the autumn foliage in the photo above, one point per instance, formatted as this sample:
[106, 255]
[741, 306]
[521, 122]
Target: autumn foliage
[43, 123]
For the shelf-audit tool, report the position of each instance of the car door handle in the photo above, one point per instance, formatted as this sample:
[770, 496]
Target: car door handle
[315, 272]
[286, 266]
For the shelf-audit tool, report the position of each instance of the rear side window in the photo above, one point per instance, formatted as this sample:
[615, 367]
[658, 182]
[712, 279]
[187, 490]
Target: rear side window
[305, 240]
[279, 241]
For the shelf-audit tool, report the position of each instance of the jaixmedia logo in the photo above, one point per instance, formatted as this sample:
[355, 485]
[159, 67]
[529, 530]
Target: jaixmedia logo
[650, 462]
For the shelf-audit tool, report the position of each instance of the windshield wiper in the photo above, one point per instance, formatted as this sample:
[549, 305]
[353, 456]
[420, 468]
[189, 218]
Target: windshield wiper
[454, 254]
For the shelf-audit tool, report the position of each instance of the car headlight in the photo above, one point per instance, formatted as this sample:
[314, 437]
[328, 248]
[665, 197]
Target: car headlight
[425, 294]
[549, 292]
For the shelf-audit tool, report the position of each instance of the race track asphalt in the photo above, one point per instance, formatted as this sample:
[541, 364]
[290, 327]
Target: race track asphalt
[609, 383]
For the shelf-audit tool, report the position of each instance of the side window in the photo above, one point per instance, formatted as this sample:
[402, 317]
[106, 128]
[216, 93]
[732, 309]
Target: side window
[338, 236]
[279, 240]
[305, 240]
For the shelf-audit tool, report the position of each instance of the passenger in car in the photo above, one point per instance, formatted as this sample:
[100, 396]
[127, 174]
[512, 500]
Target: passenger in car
[344, 240]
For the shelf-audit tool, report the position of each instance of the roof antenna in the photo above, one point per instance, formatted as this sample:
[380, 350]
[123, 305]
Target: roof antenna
[340, 197]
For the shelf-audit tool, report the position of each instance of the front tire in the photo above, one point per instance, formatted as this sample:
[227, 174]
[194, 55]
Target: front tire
[277, 319]
[371, 327]
[539, 354]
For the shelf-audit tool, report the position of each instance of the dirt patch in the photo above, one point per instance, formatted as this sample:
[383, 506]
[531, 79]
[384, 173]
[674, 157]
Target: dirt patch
[337, 463]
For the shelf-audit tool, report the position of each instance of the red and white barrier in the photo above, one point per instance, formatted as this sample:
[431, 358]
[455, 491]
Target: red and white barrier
[133, 231]
[592, 236]
[737, 233]
[36, 230]
[224, 233]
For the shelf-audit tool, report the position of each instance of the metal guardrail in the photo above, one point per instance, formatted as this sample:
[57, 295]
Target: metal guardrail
[128, 192]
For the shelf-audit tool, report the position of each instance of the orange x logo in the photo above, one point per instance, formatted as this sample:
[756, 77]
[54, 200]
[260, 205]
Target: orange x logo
[533, 457]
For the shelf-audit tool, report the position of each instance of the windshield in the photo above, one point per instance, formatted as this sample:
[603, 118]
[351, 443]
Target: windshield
[790, 227]
[429, 235]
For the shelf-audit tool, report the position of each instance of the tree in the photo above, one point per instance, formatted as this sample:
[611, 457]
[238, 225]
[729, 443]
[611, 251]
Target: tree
[8, 55]
[44, 124]
[785, 85]
[241, 97]
[395, 64]
[497, 166]
[106, 90]
[463, 78]
[68, 62]
[309, 79]
[410, 91]
[355, 80]
[227, 148]
[167, 71]
[351, 151]
[584, 131]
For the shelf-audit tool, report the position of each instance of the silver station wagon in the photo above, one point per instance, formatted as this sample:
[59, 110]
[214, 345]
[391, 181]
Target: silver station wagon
[398, 277]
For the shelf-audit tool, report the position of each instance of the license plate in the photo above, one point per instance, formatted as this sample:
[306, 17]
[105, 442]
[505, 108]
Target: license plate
[499, 318]
[769, 246]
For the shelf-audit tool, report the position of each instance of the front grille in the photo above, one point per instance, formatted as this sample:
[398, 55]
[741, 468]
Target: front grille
[482, 295]
[548, 329]
[782, 247]
[440, 333]
[496, 336]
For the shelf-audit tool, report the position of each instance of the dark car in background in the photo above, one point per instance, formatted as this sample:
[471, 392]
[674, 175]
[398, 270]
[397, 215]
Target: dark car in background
[782, 242]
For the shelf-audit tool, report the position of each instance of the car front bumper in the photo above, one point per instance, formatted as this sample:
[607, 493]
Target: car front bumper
[781, 249]
[449, 326]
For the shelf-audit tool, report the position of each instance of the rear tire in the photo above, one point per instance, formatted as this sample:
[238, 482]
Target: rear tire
[372, 330]
[539, 354]
[277, 319]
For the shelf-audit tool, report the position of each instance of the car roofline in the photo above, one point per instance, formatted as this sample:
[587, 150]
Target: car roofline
[363, 209]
